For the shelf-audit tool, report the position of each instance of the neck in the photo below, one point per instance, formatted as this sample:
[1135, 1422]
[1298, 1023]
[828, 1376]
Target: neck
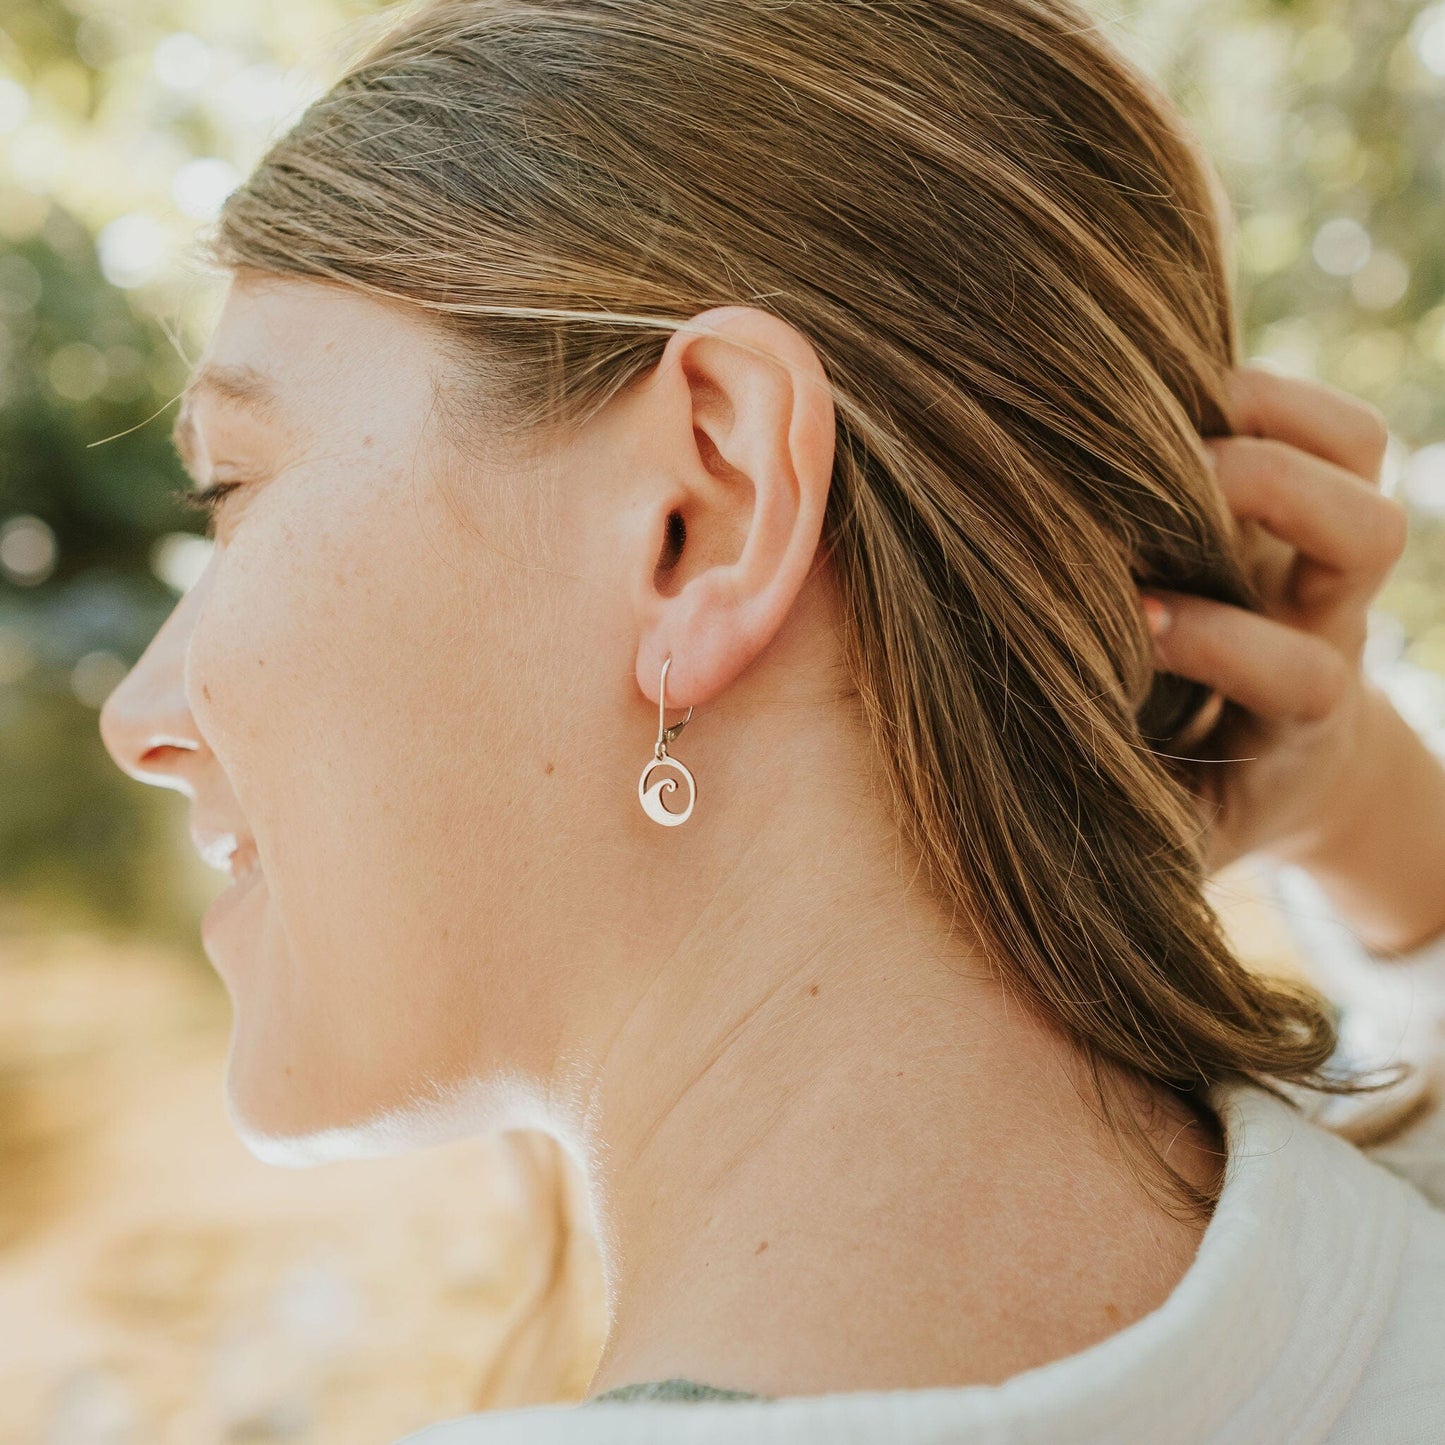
[831, 1152]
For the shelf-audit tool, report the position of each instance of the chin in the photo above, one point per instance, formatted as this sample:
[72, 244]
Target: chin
[277, 1130]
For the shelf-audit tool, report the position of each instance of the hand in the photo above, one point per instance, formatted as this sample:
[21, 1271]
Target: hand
[1296, 755]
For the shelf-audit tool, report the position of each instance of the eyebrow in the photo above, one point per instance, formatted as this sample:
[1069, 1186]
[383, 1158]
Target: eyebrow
[241, 386]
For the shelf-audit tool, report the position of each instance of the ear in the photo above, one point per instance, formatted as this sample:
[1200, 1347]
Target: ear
[739, 419]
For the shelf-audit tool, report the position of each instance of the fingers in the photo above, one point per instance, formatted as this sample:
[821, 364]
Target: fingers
[1276, 671]
[1313, 415]
[1327, 513]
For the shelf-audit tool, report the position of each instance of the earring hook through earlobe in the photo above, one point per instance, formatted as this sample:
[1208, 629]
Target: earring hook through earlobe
[666, 734]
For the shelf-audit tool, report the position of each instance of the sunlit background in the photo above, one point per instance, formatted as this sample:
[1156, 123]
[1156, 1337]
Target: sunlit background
[156, 1283]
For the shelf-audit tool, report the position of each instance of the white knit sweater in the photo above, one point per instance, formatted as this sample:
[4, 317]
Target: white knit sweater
[1314, 1310]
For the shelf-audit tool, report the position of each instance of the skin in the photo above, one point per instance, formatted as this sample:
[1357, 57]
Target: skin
[424, 678]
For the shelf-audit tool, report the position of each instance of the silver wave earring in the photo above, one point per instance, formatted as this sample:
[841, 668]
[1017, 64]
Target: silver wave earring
[651, 797]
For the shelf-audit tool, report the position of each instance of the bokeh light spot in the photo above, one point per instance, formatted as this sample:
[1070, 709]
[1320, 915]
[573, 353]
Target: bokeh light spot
[1341, 246]
[132, 249]
[201, 185]
[182, 61]
[1428, 37]
[179, 558]
[1423, 484]
[77, 371]
[95, 676]
[14, 105]
[28, 549]
[1381, 281]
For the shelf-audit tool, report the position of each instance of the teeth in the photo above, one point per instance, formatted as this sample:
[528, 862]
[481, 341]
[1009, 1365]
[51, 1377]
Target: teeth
[233, 853]
[220, 853]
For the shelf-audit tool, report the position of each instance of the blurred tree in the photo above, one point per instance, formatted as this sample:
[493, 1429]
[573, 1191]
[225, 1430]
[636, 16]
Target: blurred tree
[122, 127]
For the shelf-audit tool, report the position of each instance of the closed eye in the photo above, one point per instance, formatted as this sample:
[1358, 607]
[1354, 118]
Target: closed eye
[205, 499]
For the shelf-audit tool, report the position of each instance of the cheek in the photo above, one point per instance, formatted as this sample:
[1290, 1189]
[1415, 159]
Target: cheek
[353, 674]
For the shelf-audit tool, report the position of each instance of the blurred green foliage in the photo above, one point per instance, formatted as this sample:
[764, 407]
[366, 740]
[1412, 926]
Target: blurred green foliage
[121, 127]
[123, 124]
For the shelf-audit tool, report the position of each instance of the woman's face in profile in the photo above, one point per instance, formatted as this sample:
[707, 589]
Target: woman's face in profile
[375, 686]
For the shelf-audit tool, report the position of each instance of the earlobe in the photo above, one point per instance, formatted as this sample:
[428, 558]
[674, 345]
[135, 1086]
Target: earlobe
[741, 415]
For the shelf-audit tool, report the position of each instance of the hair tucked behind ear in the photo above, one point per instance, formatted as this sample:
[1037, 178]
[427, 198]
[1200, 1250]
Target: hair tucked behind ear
[1008, 254]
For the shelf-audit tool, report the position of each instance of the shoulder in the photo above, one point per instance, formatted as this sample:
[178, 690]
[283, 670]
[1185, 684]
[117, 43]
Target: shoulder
[1403, 1381]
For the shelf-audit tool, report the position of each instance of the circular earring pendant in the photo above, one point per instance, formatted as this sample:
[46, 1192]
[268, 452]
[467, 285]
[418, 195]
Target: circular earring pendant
[651, 796]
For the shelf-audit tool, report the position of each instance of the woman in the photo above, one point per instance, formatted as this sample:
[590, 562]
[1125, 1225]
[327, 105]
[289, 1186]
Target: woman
[835, 373]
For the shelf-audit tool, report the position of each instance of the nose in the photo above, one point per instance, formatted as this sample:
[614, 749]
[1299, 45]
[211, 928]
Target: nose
[146, 723]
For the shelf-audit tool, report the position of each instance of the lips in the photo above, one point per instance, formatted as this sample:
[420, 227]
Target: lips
[245, 860]
[227, 904]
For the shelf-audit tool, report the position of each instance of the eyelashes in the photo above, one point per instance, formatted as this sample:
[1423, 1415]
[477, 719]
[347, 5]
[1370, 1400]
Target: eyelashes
[205, 499]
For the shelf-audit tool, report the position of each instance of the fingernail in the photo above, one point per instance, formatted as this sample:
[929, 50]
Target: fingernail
[1157, 615]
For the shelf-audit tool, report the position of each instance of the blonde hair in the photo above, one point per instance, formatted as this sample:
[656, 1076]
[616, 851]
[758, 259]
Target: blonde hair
[1008, 253]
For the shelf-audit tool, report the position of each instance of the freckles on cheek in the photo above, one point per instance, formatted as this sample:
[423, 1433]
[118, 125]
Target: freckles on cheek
[256, 665]
[328, 673]
[226, 679]
[302, 648]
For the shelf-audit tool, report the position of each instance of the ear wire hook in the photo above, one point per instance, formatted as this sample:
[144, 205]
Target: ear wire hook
[666, 734]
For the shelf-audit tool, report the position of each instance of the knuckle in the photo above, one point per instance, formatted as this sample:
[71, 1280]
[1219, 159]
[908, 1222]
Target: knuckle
[1373, 426]
[1268, 454]
[1264, 466]
[1249, 381]
[1394, 528]
[1247, 458]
